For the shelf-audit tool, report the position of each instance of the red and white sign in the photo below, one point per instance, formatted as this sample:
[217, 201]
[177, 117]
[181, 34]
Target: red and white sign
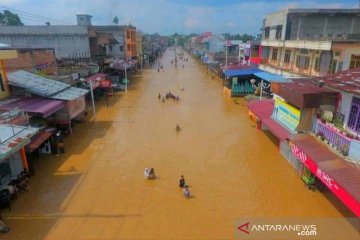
[105, 83]
[339, 191]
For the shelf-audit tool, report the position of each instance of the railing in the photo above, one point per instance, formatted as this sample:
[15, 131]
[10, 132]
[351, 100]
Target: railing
[334, 136]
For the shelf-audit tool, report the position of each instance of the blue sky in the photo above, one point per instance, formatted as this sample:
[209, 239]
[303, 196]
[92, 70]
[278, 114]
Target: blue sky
[170, 16]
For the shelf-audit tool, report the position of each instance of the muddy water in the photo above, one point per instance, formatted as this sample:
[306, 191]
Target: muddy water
[96, 190]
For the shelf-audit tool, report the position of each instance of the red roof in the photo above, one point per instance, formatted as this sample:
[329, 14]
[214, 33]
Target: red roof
[262, 109]
[306, 86]
[276, 128]
[345, 175]
[348, 81]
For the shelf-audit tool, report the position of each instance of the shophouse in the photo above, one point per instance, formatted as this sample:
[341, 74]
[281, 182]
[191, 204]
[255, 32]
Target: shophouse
[311, 42]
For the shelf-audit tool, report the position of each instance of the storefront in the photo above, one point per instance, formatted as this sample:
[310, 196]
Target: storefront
[13, 160]
[237, 81]
[339, 176]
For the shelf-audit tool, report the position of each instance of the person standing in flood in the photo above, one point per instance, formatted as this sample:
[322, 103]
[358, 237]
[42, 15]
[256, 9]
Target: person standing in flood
[186, 192]
[182, 181]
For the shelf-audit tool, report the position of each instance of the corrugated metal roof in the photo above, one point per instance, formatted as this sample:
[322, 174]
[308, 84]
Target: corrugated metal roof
[271, 77]
[70, 94]
[241, 72]
[346, 174]
[35, 83]
[3, 45]
[348, 81]
[261, 108]
[44, 87]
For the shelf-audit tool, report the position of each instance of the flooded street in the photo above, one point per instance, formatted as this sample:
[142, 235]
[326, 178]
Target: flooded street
[97, 190]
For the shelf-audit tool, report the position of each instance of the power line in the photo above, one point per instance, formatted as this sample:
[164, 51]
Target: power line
[26, 14]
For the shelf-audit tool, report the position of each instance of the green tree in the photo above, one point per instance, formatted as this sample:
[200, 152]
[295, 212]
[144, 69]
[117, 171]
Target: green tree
[10, 19]
[116, 20]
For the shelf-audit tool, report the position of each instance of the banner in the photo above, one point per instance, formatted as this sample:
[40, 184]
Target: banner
[286, 114]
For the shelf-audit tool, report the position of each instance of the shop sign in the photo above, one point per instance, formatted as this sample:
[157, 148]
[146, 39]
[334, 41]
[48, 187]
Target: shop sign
[286, 114]
[340, 192]
[105, 83]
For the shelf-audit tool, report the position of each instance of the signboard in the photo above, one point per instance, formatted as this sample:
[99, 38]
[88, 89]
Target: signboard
[286, 114]
[105, 83]
[331, 184]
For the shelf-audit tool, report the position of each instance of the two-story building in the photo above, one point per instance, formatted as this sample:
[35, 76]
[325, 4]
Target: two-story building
[311, 42]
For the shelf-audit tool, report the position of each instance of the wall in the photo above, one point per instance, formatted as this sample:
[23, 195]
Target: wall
[32, 59]
[344, 106]
[66, 40]
[346, 49]
[354, 151]
[272, 20]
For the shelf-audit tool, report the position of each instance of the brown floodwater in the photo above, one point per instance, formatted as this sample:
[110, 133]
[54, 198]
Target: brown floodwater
[97, 190]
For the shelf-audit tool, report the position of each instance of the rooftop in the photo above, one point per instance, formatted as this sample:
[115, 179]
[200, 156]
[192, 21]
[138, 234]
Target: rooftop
[347, 81]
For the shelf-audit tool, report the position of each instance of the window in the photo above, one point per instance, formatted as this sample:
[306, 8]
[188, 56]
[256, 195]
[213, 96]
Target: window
[110, 48]
[121, 48]
[278, 31]
[333, 66]
[287, 56]
[317, 64]
[354, 116]
[354, 61]
[302, 62]
[128, 47]
[274, 54]
[267, 32]
[2, 87]
[128, 34]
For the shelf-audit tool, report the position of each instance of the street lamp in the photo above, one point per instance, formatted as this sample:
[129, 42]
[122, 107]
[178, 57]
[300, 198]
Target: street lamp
[261, 85]
[92, 94]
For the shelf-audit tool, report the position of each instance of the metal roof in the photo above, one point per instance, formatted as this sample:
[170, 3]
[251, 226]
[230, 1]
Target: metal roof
[70, 94]
[13, 138]
[241, 72]
[347, 81]
[271, 77]
[43, 86]
[36, 84]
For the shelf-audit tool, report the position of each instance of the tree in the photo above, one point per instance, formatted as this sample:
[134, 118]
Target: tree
[116, 20]
[10, 19]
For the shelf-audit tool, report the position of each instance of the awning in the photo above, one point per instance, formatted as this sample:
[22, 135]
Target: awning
[34, 105]
[241, 72]
[13, 138]
[276, 128]
[261, 108]
[341, 177]
[96, 79]
[39, 139]
[271, 77]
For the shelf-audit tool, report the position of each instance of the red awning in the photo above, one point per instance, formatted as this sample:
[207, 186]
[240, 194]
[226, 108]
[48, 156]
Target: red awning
[276, 128]
[341, 177]
[39, 139]
[261, 108]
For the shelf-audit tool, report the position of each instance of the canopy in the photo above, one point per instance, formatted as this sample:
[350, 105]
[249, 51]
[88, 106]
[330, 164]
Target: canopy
[271, 77]
[34, 105]
[241, 72]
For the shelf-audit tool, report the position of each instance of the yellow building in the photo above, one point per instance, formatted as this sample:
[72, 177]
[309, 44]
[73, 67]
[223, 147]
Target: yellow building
[5, 54]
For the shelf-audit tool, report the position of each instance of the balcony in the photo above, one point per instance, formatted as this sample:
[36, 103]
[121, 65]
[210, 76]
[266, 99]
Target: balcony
[333, 136]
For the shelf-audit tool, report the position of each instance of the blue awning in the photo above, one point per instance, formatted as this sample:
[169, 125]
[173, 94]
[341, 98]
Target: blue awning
[241, 72]
[271, 77]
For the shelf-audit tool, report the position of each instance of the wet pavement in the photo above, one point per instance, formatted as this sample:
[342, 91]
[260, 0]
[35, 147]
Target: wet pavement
[97, 190]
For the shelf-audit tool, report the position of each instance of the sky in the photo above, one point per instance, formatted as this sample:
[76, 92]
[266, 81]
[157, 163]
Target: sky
[168, 16]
